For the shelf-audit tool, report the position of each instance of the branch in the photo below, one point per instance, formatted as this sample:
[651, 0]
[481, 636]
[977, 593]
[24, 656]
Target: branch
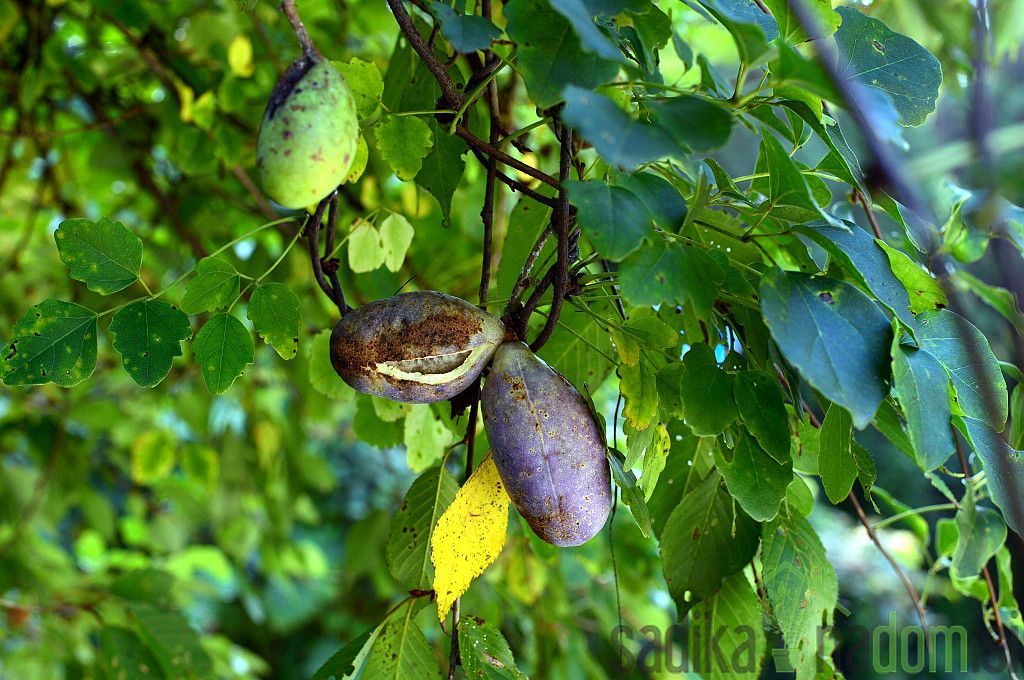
[524, 274]
[503, 157]
[896, 567]
[453, 98]
[312, 230]
[516, 185]
[562, 225]
[859, 196]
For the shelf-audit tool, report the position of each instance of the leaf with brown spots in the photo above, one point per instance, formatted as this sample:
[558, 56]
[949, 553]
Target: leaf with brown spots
[469, 535]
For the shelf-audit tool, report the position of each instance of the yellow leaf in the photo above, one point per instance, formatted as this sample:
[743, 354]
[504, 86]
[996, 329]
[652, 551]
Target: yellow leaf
[469, 535]
[188, 97]
[240, 56]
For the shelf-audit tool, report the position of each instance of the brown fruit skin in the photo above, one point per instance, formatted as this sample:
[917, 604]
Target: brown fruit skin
[547, 447]
[418, 347]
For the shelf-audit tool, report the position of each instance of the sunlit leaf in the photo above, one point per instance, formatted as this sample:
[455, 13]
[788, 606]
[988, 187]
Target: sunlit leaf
[223, 348]
[103, 254]
[274, 312]
[54, 342]
[469, 535]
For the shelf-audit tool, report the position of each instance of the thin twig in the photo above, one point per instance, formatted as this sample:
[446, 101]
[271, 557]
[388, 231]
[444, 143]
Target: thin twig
[331, 265]
[453, 98]
[562, 225]
[903, 577]
[516, 185]
[503, 157]
[863, 200]
[524, 274]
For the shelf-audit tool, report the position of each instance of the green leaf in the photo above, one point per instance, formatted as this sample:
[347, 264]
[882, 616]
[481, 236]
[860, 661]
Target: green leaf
[751, 29]
[835, 336]
[654, 460]
[687, 464]
[579, 347]
[619, 138]
[223, 348]
[608, 217]
[173, 642]
[632, 495]
[54, 342]
[874, 55]
[418, 90]
[395, 238]
[757, 481]
[801, 586]
[669, 381]
[706, 392]
[762, 408]
[732, 619]
[274, 312]
[840, 159]
[125, 657]
[673, 273]
[705, 542]
[550, 54]
[322, 375]
[349, 661]
[662, 200]
[925, 292]
[836, 464]
[644, 325]
[972, 367]
[148, 585]
[365, 83]
[403, 141]
[641, 394]
[148, 335]
[408, 548]
[790, 29]
[214, 286]
[922, 387]
[1005, 468]
[375, 430]
[484, 653]
[426, 437]
[103, 254]
[401, 651]
[694, 121]
[364, 251]
[982, 533]
[865, 262]
[580, 14]
[466, 32]
[787, 186]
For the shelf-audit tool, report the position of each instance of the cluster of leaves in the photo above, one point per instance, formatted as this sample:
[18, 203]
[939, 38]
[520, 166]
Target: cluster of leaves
[753, 329]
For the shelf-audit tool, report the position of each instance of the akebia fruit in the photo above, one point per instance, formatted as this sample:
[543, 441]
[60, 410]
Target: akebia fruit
[547, 447]
[417, 347]
[308, 134]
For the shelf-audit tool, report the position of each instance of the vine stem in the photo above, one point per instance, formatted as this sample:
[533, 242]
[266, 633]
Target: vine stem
[863, 200]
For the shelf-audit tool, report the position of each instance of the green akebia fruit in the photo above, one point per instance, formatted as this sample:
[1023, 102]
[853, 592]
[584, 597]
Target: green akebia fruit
[547, 447]
[308, 134]
[416, 348]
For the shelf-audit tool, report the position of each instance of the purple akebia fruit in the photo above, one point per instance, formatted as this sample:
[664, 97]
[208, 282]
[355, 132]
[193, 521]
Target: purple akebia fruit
[547, 447]
[417, 347]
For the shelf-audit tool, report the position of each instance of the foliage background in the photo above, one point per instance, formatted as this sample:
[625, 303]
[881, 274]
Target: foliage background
[269, 506]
